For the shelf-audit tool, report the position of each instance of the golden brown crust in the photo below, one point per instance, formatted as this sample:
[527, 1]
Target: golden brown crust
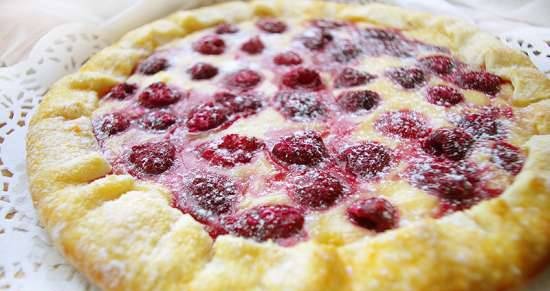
[492, 246]
[124, 235]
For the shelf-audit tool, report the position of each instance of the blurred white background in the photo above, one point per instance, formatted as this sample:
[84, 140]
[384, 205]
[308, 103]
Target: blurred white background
[23, 22]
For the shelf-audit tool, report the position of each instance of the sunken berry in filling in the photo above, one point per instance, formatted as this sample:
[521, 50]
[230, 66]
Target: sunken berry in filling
[231, 150]
[316, 189]
[373, 213]
[267, 130]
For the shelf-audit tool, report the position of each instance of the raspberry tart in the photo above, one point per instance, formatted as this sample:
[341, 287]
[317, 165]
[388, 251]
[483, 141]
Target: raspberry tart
[298, 145]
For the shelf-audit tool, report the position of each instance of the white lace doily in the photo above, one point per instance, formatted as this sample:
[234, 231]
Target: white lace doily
[28, 260]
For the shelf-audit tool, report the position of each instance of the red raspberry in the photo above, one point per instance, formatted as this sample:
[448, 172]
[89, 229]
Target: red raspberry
[214, 193]
[215, 230]
[316, 39]
[374, 213]
[444, 96]
[302, 78]
[153, 157]
[287, 59]
[210, 222]
[210, 45]
[387, 42]
[350, 77]
[408, 78]
[158, 95]
[448, 206]
[480, 124]
[232, 149]
[300, 106]
[441, 65]
[242, 103]
[122, 91]
[499, 111]
[111, 124]
[303, 148]
[206, 116]
[443, 178]
[253, 46]
[243, 80]
[271, 25]
[507, 157]
[267, 222]
[345, 52]
[353, 101]
[366, 160]
[203, 71]
[317, 190]
[226, 28]
[152, 65]
[158, 120]
[481, 81]
[451, 143]
[403, 123]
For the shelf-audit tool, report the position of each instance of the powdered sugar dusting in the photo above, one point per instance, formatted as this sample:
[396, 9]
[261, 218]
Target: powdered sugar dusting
[186, 119]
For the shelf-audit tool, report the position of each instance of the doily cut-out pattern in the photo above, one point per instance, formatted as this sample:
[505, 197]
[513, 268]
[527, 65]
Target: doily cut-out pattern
[28, 260]
[534, 42]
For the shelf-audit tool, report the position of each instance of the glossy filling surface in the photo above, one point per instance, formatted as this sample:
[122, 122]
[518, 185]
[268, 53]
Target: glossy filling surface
[288, 131]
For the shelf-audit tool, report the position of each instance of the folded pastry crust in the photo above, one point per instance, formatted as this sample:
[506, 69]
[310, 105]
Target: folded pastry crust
[124, 235]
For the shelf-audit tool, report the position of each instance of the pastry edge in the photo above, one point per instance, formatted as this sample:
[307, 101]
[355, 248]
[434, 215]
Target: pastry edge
[219, 265]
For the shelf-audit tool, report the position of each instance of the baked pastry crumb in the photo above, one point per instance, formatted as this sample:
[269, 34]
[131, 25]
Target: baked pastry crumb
[298, 145]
